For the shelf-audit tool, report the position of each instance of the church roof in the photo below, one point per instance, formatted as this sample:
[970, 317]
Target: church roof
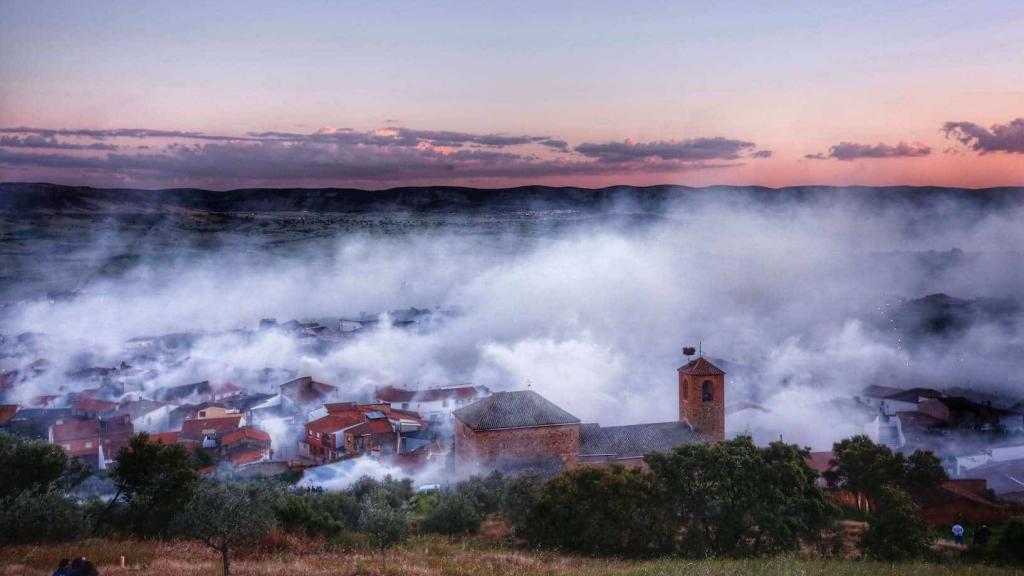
[635, 440]
[701, 367]
[520, 409]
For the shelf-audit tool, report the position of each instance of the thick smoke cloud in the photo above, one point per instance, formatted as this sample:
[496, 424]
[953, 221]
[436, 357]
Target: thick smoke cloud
[1007, 137]
[792, 297]
[852, 151]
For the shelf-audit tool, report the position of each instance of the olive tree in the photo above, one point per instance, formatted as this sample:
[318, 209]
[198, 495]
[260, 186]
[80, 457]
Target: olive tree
[226, 516]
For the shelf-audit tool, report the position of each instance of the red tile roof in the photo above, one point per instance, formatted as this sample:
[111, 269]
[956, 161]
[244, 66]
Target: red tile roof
[701, 367]
[332, 423]
[7, 412]
[210, 426]
[165, 437]
[248, 457]
[245, 433]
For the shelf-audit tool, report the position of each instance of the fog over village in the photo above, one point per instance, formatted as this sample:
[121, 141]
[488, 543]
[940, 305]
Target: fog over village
[537, 288]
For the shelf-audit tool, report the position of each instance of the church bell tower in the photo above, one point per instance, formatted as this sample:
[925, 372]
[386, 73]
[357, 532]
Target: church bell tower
[702, 397]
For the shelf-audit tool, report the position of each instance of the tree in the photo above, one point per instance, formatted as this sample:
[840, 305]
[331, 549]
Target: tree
[34, 465]
[484, 493]
[601, 511]
[154, 480]
[226, 516]
[734, 498]
[453, 515]
[302, 513]
[1010, 546]
[519, 498]
[33, 516]
[385, 523]
[864, 467]
[896, 529]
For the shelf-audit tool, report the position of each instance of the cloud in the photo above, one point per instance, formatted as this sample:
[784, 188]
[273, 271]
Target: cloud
[853, 151]
[50, 142]
[560, 145]
[1007, 137]
[333, 155]
[695, 149]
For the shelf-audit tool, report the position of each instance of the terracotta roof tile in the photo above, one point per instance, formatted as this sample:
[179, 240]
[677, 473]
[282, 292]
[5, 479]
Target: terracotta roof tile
[701, 367]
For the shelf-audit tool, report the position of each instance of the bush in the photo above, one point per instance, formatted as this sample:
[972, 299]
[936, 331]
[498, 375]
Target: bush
[453, 515]
[483, 493]
[896, 529]
[1010, 546]
[40, 517]
[601, 511]
[299, 514]
[519, 498]
[384, 523]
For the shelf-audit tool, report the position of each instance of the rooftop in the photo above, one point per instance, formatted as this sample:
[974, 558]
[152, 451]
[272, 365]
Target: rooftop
[520, 409]
[701, 367]
[635, 440]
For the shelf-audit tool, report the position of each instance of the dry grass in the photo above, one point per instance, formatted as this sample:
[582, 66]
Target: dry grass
[430, 557]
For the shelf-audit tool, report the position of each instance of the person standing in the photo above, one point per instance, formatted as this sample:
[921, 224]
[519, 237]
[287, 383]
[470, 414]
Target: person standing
[958, 534]
[982, 535]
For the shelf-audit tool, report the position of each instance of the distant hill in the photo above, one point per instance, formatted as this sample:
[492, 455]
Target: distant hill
[42, 198]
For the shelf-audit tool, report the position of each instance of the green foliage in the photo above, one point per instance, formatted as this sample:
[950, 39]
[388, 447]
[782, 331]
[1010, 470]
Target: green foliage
[34, 465]
[484, 493]
[519, 499]
[397, 492]
[226, 516]
[384, 523]
[154, 480]
[300, 514]
[454, 514]
[733, 498]
[601, 511]
[896, 529]
[1010, 546]
[33, 516]
[862, 466]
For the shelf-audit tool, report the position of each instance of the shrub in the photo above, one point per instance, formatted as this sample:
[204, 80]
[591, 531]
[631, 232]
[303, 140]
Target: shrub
[601, 511]
[300, 514]
[896, 529]
[1010, 546]
[40, 517]
[384, 523]
[452, 515]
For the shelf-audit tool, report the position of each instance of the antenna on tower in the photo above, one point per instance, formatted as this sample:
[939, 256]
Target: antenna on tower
[700, 347]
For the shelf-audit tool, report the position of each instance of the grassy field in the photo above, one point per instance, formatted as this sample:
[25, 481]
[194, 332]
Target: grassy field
[430, 556]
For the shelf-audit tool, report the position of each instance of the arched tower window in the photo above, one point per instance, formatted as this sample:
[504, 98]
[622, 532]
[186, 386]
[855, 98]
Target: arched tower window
[706, 391]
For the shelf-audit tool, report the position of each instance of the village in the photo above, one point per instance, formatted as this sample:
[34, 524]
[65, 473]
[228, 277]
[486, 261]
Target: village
[298, 424]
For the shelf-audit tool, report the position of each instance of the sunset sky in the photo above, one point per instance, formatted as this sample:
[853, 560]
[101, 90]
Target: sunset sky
[380, 94]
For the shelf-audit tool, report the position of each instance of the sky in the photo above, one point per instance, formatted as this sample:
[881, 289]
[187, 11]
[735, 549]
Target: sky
[382, 94]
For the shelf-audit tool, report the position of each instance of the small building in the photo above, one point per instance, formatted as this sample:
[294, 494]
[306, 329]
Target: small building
[519, 425]
[88, 439]
[209, 431]
[433, 404]
[246, 445]
[305, 391]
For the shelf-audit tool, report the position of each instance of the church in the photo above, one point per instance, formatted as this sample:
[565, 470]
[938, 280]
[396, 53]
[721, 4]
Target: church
[512, 431]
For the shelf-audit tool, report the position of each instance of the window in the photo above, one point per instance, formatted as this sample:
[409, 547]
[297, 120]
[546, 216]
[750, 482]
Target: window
[706, 391]
[405, 405]
[88, 444]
